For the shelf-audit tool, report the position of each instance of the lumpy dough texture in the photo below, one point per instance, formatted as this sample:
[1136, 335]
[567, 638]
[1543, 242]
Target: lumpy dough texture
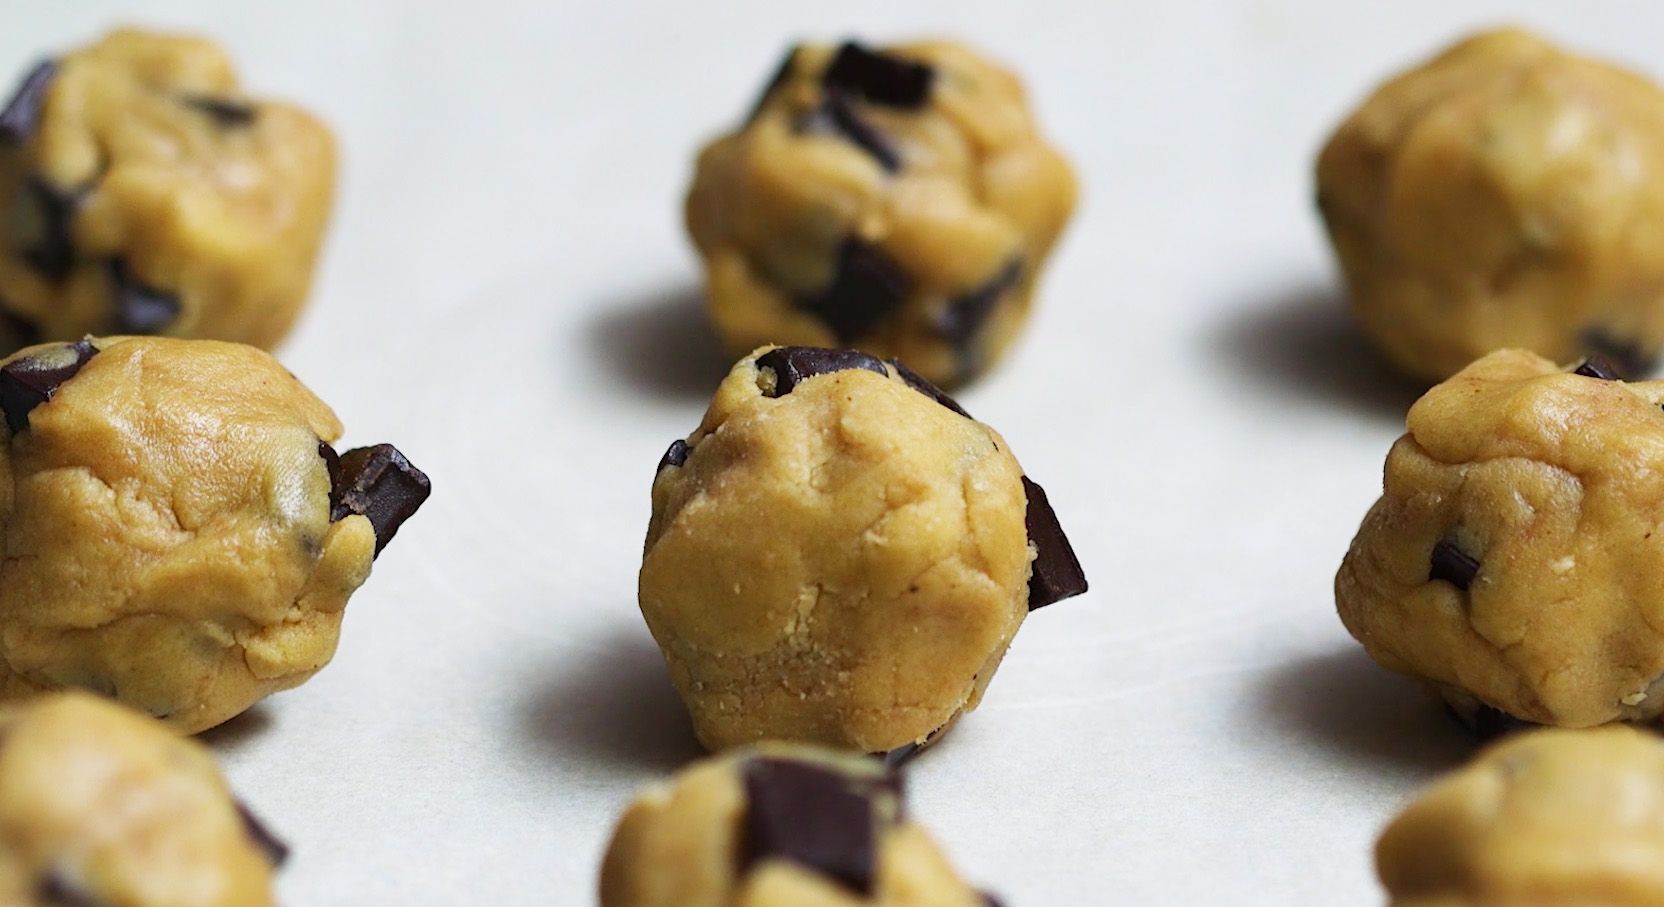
[1514, 557]
[725, 834]
[844, 563]
[143, 193]
[167, 529]
[901, 202]
[1503, 194]
[1555, 817]
[100, 806]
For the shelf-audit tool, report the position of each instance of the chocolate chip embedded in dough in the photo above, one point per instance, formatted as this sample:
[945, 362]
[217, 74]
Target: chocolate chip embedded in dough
[228, 113]
[866, 286]
[380, 484]
[21, 115]
[921, 384]
[55, 889]
[810, 816]
[33, 380]
[792, 365]
[879, 77]
[1056, 573]
[837, 115]
[964, 316]
[1450, 564]
[1597, 367]
[1628, 359]
[276, 851]
[52, 251]
[138, 307]
[1488, 723]
[782, 72]
[675, 456]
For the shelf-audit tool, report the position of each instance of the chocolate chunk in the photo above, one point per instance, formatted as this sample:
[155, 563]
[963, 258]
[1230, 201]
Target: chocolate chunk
[879, 78]
[1056, 573]
[1448, 563]
[837, 115]
[675, 456]
[1597, 367]
[332, 462]
[378, 483]
[918, 382]
[901, 755]
[277, 852]
[814, 817]
[139, 309]
[228, 113]
[53, 251]
[792, 365]
[989, 900]
[1489, 723]
[56, 890]
[1628, 360]
[782, 72]
[28, 382]
[965, 315]
[866, 286]
[22, 113]
[19, 331]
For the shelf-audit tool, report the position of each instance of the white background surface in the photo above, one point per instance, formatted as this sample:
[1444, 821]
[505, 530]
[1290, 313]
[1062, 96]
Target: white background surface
[508, 297]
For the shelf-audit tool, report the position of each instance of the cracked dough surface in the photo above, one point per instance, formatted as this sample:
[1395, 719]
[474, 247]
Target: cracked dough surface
[844, 564]
[1503, 194]
[1553, 817]
[1549, 480]
[99, 805]
[166, 523]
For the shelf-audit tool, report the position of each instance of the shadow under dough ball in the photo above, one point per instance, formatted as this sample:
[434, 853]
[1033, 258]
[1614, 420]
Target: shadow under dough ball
[179, 534]
[1513, 560]
[142, 192]
[840, 555]
[1503, 194]
[901, 201]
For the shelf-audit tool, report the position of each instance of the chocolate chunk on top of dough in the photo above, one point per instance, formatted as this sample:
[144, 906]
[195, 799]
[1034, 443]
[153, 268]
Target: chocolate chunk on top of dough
[56, 889]
[965, 315]
[675, 456]
[229, 113]
[139, 308]
[1056, 574]
[1450, 564]
[792, 365]
[921, 384]
[880, 78]
[21, 114]
[28, 382]
[1628, 359]
[276, 851]
[782, 72]
[816, 818]
[380, 484]
[866, 285]
[837, 115]
[1597, 367]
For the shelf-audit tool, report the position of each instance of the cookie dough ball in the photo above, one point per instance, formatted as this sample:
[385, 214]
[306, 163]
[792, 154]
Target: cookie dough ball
[778, 827]
[142, 192]
[840, 555]
[1514, 560]
[101, 806]
[901, 201]
[1552, 817]
[1503, 194]
[178, 533]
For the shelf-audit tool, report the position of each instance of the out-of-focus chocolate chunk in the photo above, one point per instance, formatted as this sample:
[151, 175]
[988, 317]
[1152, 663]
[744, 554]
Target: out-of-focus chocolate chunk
[811, 816]
[52, 253]
[901, 755]
[1627, 359]
[379, 483]
[989, 900]
[866, 286]
[919, 383]
[965, 315]
[836, 114]
[139, 309]
[56, 890]
[782, 72]
[21, 114]
[675, 456]
[1488, 723]
[276, 851]
[880, 78]
[227, 112]
[1057, 574]
[18, 331]
[1597, 367]
[792, 365]
[1450, 564]
[28, 382]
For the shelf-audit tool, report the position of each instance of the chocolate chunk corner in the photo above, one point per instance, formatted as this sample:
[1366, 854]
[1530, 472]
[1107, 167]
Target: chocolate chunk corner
[276, 851]
[675, 456]
[1450, 564]
[1597, 367]
[21, 115]
[792, 365]
[962, 319]
[880, 77]
[922, 384]
[228, 113]
[866, 286]
[837, 115]
[138, 308]
[782, 73]
[1625, 358]
[33, 380]
[811, 816]
[1056, 573]
[380, 484]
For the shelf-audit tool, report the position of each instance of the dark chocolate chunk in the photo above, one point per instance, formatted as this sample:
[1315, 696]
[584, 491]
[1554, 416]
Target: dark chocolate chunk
[813, 817]
[1448, 563]
[919, 383]
[332, 462]
[378, 483]
[989, 900]
[22, 113]
[53, 251]
[901, 755]
[27, 383]
[1056, 573]
[866, 286]
[782, 72]
[277, 852]
[139, 309]
[1597, 367]
[675, 456]
[837, 115]
[1489, 723]
[879, 78]
[56, 890]
[792, 365]
[227, 112]
[965, 315]
[1626, 358]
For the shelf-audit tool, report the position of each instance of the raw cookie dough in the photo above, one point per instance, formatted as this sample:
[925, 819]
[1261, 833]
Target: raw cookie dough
[901, 201]
[178, 533]
[101, 807]
[1503, 194]
[778, 827]
[142, 192]
[1555, 817]
[1514, 560]
[839, 555]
